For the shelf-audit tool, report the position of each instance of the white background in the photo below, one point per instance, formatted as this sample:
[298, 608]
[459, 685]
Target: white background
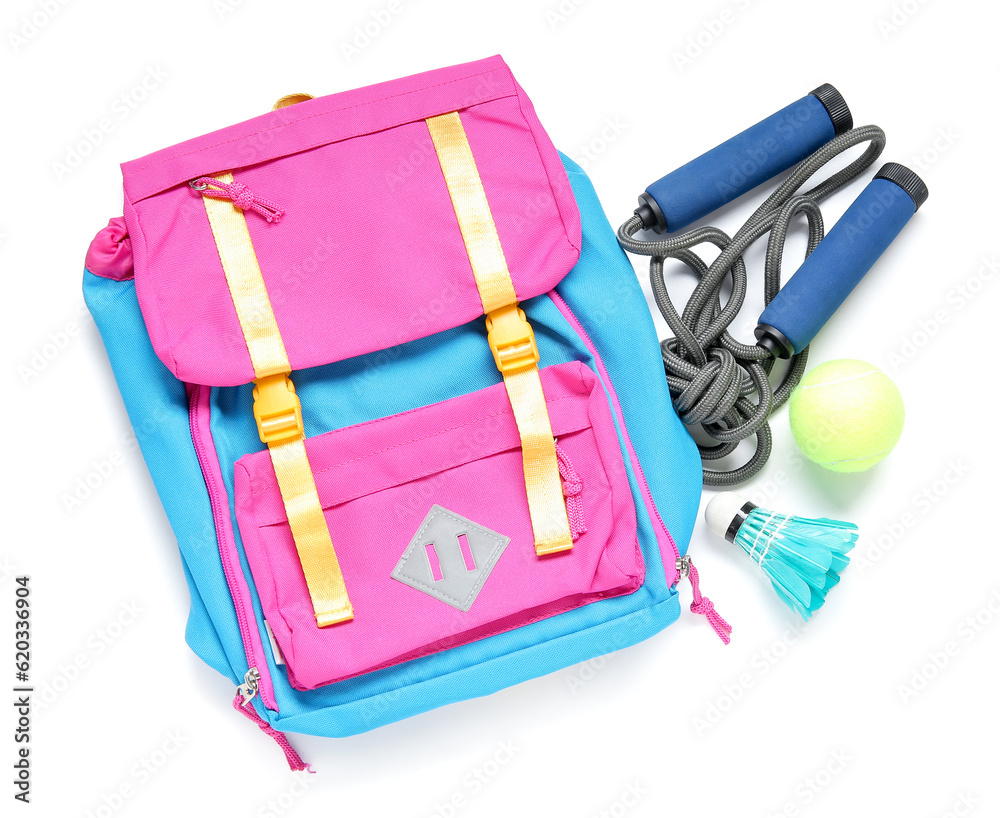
[675, 79]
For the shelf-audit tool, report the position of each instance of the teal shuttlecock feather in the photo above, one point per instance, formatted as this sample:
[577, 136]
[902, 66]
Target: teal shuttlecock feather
[803, 557]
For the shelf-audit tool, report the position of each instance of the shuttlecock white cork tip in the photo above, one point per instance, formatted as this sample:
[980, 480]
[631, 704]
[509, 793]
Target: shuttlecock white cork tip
[722, 510]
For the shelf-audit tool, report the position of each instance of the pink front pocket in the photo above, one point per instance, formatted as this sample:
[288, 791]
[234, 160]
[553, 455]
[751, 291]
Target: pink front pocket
[428, 514]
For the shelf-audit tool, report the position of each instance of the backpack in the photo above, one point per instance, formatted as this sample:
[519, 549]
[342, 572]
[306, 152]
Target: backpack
[399, 392]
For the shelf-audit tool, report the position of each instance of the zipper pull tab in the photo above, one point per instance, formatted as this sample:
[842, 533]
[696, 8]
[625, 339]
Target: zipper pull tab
[702, 604]
[251, 682]
[244, 693]
[239, 194]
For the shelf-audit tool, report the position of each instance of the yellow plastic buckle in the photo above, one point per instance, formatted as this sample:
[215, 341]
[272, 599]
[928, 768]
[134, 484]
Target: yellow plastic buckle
[512, 339]
[277, 409]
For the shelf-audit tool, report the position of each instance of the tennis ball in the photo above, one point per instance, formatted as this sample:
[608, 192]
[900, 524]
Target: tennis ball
[846, 415]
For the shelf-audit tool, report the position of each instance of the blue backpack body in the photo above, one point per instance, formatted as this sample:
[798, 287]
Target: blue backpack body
[604, 295]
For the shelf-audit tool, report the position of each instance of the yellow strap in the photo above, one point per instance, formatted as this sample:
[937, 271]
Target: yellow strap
[511, 337]
[541, 467]
[310, 532]
[473, 211]
[278, 413]
[246, 284]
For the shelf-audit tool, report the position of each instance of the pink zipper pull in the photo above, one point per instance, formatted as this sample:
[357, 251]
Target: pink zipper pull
[572, 489]
[244, 693]
[702, 604]
[239, 194]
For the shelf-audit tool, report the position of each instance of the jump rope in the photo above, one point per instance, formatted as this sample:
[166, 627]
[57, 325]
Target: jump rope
[712, 376]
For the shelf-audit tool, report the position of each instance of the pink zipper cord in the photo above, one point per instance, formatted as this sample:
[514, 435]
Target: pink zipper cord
[703, 605]
[239, 194]
[295, 762]
[572, 491]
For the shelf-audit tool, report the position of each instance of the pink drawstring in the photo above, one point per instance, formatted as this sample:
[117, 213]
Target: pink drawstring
[239, 194]
[703, 605]
[295, 762]
[572, 491]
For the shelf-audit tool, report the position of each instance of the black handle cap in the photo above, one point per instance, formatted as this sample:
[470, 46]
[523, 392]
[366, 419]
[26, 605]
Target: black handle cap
[836, 107]
[906, 179]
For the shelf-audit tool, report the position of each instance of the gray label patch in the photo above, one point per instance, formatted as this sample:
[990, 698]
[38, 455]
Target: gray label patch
[450, 558]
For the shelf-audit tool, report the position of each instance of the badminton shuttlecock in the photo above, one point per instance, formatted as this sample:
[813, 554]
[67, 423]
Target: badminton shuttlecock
[803, 557]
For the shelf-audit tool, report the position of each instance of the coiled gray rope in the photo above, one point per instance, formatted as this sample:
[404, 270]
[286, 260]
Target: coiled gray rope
[711, 375]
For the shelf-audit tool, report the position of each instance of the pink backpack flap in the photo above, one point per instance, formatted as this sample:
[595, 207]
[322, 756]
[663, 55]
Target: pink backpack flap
[359, 190]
